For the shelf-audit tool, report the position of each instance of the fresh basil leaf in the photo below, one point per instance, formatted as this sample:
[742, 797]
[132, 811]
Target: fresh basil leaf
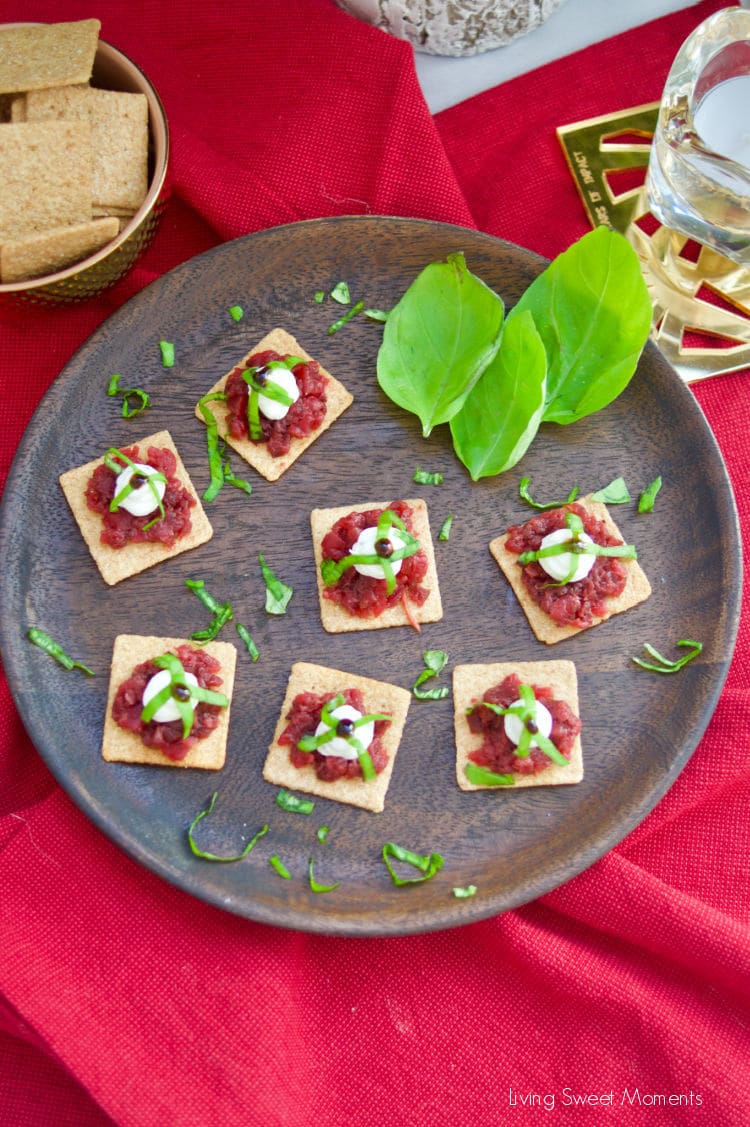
[501, 415]
[648, 497]
[616, 493]
[438, 340]
[278, 594]
[425, 477]
[593, 312]
[483, 777]
[445, 528]
[340, 293]
[525, 495]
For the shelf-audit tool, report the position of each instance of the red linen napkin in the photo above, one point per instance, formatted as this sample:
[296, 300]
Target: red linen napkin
[154, 1008]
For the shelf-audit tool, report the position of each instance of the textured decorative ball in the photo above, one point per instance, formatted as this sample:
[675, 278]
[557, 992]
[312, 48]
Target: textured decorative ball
[453, 27]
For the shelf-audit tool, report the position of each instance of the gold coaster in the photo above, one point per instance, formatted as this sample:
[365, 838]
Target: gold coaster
[701, 300]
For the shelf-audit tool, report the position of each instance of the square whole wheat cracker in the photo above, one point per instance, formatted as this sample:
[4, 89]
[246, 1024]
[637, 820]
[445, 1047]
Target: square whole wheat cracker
[53, 250]
[40, 55]
[119, 138]
[337, 620]
[45, 176]
[122, 746]
[116, 564]
[470, 682]
[378, 696]
[637, 587]
[256, 453]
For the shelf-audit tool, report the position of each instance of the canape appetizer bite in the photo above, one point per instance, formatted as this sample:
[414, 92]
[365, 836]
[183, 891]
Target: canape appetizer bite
[169, 702]
[337, 736]
[570, 569]
[274, 403]
[375, 566]
[136, 506]
[517, 725]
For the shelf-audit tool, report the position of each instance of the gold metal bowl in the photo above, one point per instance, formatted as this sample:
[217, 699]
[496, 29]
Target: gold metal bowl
[112, 71]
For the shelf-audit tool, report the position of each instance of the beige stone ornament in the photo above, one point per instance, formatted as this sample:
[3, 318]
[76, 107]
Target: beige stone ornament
[453, 27]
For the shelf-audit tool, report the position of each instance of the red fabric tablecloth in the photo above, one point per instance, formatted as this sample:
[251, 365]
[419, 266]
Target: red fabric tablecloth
[124, 1000]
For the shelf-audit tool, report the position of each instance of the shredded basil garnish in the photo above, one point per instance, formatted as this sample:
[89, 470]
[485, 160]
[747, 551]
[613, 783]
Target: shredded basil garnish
[315, 885]
[445, 528]
[465, 893]
[319, 296]
[221, 613]
[269, 388]
[483, 777]
[167, 353]
[230, 477]
[198, 587]
[215, 466]
[198, 852]
[293, 803]
[111, 462]
[435, 661]
[340, 293]
[134, 399]
[236, 312]
[277, 593]
[427, 865]
[312, 742]
[376, 314]
[424, 477]
[355, 309]
[648, 497]
[332, 570]
[322, 833]
[576, 546]
[523, 492]
[526, 712]
[279, 867]
[616, 493]
[224, 615]
[663, 664]
[55, 650]
[179, 690]
[246, 637]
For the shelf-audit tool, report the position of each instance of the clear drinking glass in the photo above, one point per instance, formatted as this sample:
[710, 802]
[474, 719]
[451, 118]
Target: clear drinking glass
[699, 171]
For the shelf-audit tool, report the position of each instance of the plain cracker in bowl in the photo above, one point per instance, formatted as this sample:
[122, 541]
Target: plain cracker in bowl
[116, 564]
[122, 746]
[35, 56]
[49, 251]
[255, 453]
[119, 139]
[470, 682]
[45, 176]
[378, 696]
[637, 588]
[335, 618]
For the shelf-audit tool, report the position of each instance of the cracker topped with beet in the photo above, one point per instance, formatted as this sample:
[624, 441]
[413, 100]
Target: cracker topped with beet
[274, 403]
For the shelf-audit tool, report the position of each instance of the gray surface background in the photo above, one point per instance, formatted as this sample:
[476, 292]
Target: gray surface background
[574, 25]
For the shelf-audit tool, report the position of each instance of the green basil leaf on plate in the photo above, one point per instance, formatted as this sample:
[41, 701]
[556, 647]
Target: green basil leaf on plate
[593, 312]
[501, 415]
[438, 340]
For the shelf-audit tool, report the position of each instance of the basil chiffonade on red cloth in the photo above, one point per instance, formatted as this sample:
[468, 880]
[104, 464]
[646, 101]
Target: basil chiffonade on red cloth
[124, 1000]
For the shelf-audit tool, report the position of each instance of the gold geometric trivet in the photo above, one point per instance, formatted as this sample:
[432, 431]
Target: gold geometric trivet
[701, 300]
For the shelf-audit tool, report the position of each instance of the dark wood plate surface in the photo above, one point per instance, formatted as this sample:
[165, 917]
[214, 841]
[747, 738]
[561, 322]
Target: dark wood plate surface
[639, 728]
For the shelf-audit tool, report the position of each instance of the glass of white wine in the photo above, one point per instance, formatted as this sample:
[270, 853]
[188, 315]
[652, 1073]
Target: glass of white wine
[698, 179]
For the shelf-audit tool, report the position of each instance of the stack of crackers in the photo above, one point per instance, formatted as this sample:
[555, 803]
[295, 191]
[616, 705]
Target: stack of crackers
[73, 158]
